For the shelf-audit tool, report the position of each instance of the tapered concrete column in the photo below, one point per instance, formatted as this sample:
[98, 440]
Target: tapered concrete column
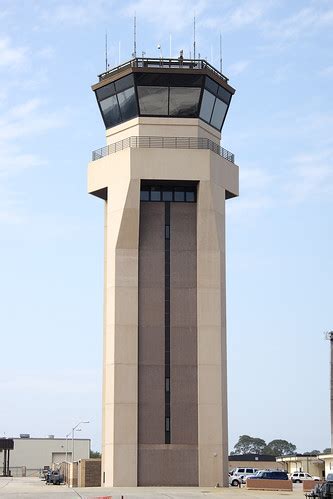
[212, 369]
[119, 466]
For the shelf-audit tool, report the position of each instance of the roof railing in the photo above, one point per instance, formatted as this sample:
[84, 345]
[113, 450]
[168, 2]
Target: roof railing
[163, 143]
[164, 63]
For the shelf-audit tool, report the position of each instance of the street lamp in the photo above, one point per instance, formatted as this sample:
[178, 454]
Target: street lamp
[68, 434]
[73, 430]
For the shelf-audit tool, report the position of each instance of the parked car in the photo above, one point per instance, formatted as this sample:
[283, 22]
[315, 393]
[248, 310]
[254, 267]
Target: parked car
[329, 477]
[301, 476]
[235, 481]
[253, 475]
[243, 471]
[271, 475]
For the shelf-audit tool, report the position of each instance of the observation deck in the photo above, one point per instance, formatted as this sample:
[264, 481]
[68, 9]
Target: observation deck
[174, 88]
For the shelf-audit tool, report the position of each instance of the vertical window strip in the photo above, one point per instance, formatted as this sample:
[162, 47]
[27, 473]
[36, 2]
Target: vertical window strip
[167, 323]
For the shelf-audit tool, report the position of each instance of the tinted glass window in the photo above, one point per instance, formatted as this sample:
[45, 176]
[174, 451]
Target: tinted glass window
[144, 195]
[219, 112]
[155, 196]
[167, 196]
[211, 85]
[207, 106]
[179, 196]
[224, 95]
[190, 198]
[184, 101]
[104, 92]
[240, 470]
[153, 100]
[127, 103]
[110, 110]
[124, 83]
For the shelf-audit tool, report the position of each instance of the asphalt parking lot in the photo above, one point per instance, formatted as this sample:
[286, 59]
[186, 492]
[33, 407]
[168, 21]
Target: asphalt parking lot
[34, 488]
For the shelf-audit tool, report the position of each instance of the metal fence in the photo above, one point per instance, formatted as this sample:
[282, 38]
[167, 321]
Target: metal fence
[164, 143]
[164, 63]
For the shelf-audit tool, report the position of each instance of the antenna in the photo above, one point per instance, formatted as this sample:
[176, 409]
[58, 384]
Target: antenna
[134, 37]
[220, 52]
[194, 37]
[106, 51]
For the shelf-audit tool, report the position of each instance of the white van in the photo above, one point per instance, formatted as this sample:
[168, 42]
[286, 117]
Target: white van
[243, 471]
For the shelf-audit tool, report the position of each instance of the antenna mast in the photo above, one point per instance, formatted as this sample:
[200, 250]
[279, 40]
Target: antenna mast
[106, 51]
[134, 38]
[220, 52]
[194, 38]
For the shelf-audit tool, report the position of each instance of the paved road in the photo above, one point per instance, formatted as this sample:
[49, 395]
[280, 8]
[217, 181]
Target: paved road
[34, 488]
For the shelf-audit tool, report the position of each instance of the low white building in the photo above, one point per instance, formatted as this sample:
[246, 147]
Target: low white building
[31, 454]
[328, 460]
[303, 462]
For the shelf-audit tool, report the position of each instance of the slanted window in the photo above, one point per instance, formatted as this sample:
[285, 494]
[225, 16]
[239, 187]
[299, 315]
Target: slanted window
[127, 103]
[110, 111]
[207, 104]
[184, 101]
[153, 100]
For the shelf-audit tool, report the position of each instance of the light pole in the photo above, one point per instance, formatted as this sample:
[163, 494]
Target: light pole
[68, 434]
[73, 430]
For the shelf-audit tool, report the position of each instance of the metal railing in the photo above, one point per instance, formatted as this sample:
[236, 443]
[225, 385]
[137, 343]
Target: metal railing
[165, 63]
[163, 143]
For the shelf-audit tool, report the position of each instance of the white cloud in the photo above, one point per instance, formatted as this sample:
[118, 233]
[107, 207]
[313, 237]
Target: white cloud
[238, 67]
[29, 119]
[302, 23]
[166, 16]
[247, 13]
[328, 71]
[311, 175]
[75, 14]
[11, 56]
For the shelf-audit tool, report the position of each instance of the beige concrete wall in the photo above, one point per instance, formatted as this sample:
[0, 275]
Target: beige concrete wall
[121, 173]
[162, 127]
[119, 451]
[36, 453]
[260, 465]
[212, 368]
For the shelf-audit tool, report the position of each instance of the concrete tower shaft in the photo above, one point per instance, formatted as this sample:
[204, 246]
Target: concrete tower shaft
[164, 180]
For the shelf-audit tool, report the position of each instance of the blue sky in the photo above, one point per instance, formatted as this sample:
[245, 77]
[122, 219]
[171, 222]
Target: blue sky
[278, 55]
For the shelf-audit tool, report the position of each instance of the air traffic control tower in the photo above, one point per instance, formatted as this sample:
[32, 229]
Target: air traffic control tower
[164, 180]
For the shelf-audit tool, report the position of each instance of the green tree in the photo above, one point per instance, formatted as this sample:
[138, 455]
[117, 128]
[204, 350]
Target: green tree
[249, 445]
[280, 447]
[95, 454]
[328, 450]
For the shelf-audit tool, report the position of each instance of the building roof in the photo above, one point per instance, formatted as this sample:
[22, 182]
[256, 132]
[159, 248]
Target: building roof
[252, 457]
